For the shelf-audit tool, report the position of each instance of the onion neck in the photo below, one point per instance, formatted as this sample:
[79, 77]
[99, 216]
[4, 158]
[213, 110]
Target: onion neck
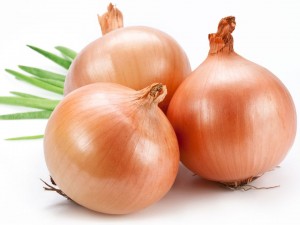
[111, 20]
[222, 41]
[155, 93]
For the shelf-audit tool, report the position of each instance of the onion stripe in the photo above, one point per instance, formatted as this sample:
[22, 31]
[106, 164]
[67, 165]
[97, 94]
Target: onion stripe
[45, 114]
[25, 137]
[36, 82]
[42, 73]
[67, 52]
[29, 102]
[55, 58]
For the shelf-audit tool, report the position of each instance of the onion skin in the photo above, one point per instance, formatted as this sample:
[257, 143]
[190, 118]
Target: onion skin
[111, 149]
[111, 20]
[234, 119]
[131, 56]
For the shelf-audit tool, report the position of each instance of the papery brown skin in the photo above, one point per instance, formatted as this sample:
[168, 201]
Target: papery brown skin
[233, 118]
[132, 56]
[111, 149]
[111, 20]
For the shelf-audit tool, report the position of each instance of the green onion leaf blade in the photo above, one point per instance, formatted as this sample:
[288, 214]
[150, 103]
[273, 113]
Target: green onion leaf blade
[56, 83]
[29, 102]
[55, 58]
[36, 82]
[67, 52]
[45, 114]
[25, 95]
[25, 138]
[42, 73]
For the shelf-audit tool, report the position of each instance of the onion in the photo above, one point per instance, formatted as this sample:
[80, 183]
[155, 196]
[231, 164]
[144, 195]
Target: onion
[132, 56]
[110, 148]
[234, 119]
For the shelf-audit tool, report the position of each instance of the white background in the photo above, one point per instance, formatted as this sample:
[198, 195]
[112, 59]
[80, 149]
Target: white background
[267, 32]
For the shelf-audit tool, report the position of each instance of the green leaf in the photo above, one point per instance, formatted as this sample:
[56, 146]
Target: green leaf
[43, 73]
[25, 138]
[45, 114]
[69, 53]
[29, 102]
[55, 58]
[36, 82]
[25, 95]
[56, 83]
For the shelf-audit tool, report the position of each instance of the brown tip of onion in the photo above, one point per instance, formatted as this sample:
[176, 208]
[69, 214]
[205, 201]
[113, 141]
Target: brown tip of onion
[155, 93]
[222, 41]
[111, 20]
